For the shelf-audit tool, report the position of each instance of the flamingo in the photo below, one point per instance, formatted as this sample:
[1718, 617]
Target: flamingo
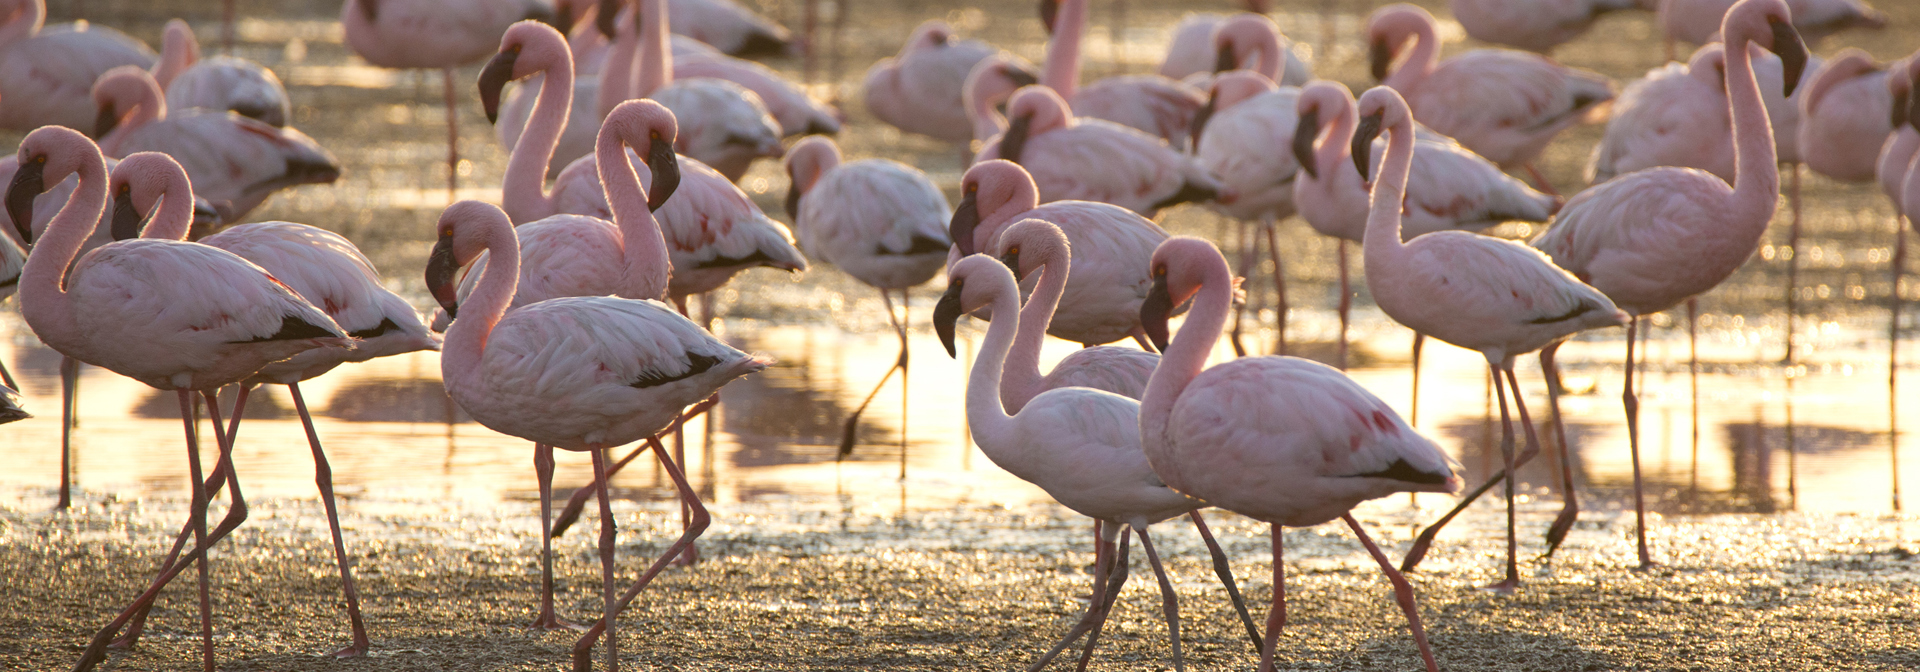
[235, 161]
[1110, 247]
[226, 319]
[1698, 21]
[989, 85]
[1079, 444]
[1677, 116]
[1152, 104]
[1895, 162]
[881, 221]
[1208, 43]
[434, 34]
[1283, 440]
[788, 103]
[1249, 117]
[921, 89]
[47, 74]
[730, 27]
[1033, 246]
[1504, 105]
[10, 410]
[1448, 188]
[1493, 296]
[1095, 160]
[1652, 238]
[323, 268]
[217, 83]
[577, 373]
[1844, 116]
[1532, 25]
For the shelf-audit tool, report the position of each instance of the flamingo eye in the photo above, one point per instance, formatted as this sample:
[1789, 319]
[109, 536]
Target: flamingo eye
[973, 188]
[40, 159]
[1160, 270]
[125, 189]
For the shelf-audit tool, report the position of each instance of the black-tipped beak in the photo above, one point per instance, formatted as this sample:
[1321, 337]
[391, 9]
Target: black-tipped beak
[493, 78]
[105, 121]
[440, 274]
[666, 172]
[1304, 134]
[1021, 76]
[792, 202]
[1155, 310]
[1011, 260]
[603, 18]
[1199, 124]
[1363, 142]
[28, 183]
[1014, 141]
[946, 313]
[1049, 9]
[126, 219]
[1913, 109]
[1224, 60]
[1901, 107]
[1793, 54]
[563, 17]
[960, 229]
[1379, 56]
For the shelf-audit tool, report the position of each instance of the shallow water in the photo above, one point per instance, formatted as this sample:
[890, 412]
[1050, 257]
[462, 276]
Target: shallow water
[1811, 436]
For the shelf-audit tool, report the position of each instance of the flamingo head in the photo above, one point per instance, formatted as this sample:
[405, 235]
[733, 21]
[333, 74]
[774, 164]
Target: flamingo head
[809, 159]
[1380, 109]
[1769, 24]
[526, 48]
[1389, 28]
[47, 156]
[120, 92]
[1319, 101]
[1178, 269]
[639, 124]
[972, 283]
[1049, 12]
[1042, 242]
[988, 188]
[136, 185]
[463, 232]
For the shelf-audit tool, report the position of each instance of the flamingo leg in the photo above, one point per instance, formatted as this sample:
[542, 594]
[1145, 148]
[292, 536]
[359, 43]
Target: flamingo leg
[69, 393]
[1224, 570]
[609, 608]
[1512, 582]
[1541, 182]
[584, 646]
[1103, 555]
[199, 518]
[1249, 247]
[1280, 295]
[1402, 592]
[1346, 304]
[692, 554]
[226, 26]
[1793, 256]
[905, 312]
[453, 136]
[578, 501]
[1893, 368]
[323, 477]
[1425, 541]
[1571, 510]
[1169, 602]
[1118, 579]
[1693, 377]
[1277, 615]
[1413, 416]
[548, 619]
[212, 485]
[847, 436]
[1631, 403]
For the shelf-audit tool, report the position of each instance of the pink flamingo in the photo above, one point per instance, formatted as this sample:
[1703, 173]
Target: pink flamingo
[323, 268]
[921, 89]
[1079, 444]
[227, 320]
[433, 34]
[881, 221]
[1904, 141]
[1504, 105]
[578, 373]
[235, 161]
[989, 85]
[1282, 440]
[1033, 246]
[1532, 25]
[730, 27]
[1110, 244]
[796, 112]
[47, 75]
[1698, 21]
[1205, 45]
[1095, 160]
[1677, 116]
[1448, 188]
[1844, 116]
[1490, 295]
[1652, 238]
[217, 83]
[1248, 117]
[1151, 104]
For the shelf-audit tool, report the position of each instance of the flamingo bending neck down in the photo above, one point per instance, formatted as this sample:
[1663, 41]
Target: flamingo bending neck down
[1494, 296]
[1152, 104]
[1034, 246]
[1652, 238]
[920, 90]
[1283, 440]
[1095, 160]
[47, 72]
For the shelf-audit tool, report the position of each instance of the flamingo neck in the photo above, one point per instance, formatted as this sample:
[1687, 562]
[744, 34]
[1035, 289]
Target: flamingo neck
[644, 249]
[1182, 360]
[1382, 241]
[992, 222]
[1023, 378]
[616, 74]
[1270, 62]
[1333, 159]
[1756, 176]
[987, 121]
[25, 23]
[1421, 62]
[178, 51]
[149, 106]
[987, 416]
[656, 55]
[523, 193]
[466, 340]
[1062, 72]
[44, 301]
[175, 215]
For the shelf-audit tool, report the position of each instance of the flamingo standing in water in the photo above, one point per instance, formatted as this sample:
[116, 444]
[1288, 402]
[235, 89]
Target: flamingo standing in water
[1151, 104]
[217, 83]
[1504, 105]
[881, 221]
[578, 373]
[1283, 440]
[1490, 295]
[1892, 170]
[47, 72]
[226, 320]
[1110, 248]
[1206, 44]
[1652, 238]
[1532, 25]
[1081, 445]
[921, 89]
[1249, 116]
[1095, 160]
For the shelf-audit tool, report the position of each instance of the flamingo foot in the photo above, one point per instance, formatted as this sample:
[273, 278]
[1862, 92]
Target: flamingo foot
[1562, 524]
[1506, 587]
[354, 650]
[548, 621]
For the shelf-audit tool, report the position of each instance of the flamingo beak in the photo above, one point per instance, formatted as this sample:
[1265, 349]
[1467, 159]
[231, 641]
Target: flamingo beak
[666, 172]
[1199, 123]
[1379, 56]
[106, 120]
[1014, 140]
[1792, 51]
[28, 183]
[1155, 310]
[604, 16]
[1363, 142]
[1913, 109]
[493, 78]
[1901, 108]
[126, 218]
[1021, 76]
[1049, 10]
[1224, 60]
[1303, 136]
[946, 313]
[966, 218]
[792, 201]
[563, 17]
[440, 274]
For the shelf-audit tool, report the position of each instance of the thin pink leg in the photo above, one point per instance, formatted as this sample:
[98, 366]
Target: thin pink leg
[1402, 592]
[1169, 602]
[453, 136]
[1693, 376]
[607, 538]
[1346, 304]
[1279, 290]
[1249, 249]
[1893, 368]
[1425, 540]
[1631, 402]
[1507, 586]
[69, 390]
[1277, 615]
[578, 501]
[847, 435]
[584, 646]
[323, 476]
[1793, 256]
[1540, 181]
[1102, 570]
[1118, 557]
[1224, 570]
[547, 619]
[1571, 510]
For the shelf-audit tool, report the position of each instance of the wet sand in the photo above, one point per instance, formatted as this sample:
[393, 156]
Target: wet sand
[824, 585]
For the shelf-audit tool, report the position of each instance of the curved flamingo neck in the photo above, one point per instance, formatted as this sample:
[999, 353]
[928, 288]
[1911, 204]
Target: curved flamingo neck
[26, 21]
[1421, 62]
[643, 248]
[175, 216]
[1184, 358]
[1382, 241]
[1756, 177]
[656, 55]
[1332, 159]
[178, 51]
[1062, 73]
[523, 193]
[616, 74]
[1022, 200]
[1023, 378]
[44, 301]
[142, 95]
[987, 417]
[987, 121]
[466, 340]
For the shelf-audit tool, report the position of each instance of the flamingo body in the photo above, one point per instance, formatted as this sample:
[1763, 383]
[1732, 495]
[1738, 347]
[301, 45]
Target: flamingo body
[881, 221]
[1533, 25]
[1095, 160]
[47, 74]
[1698, 21]
[1194, 50]
[431, 33]
[920, 89]
[217, 83]
[1250, 118]
[1845, 116]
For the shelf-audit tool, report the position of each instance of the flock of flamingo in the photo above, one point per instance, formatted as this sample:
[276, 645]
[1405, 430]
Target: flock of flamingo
[642, 115]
